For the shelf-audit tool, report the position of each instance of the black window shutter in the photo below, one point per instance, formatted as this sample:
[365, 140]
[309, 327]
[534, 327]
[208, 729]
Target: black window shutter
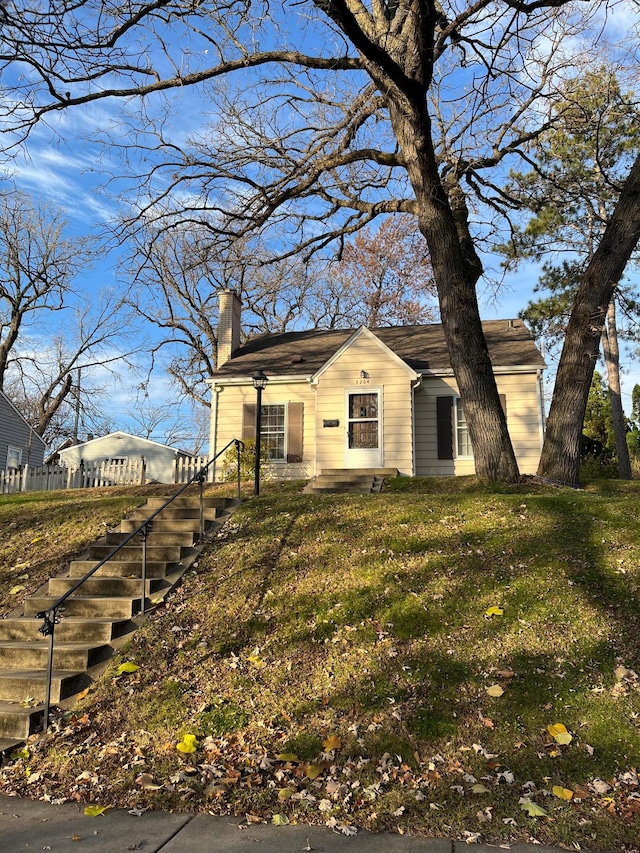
[444, 422]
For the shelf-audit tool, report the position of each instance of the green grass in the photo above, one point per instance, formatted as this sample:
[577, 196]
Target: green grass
[364, 618]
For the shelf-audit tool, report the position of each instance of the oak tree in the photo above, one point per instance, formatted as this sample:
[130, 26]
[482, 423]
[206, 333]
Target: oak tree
[325, 114]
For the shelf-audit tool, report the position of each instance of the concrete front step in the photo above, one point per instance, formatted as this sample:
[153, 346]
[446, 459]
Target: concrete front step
[142, 513]
[154, 503]
[115, 569]
[131, 553]
[18, 722]
[107, 587]
[66, 656]
[20, 685]
[155, 537]
[171, 525]
[70, 629]
[80, 605]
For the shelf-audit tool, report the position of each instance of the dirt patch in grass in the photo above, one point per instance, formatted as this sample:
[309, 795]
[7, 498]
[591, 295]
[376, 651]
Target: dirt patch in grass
[399, 661]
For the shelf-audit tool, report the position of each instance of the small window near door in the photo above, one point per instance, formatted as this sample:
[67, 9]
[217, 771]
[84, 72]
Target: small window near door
[463, 442]
[14, 458]
[273, 431]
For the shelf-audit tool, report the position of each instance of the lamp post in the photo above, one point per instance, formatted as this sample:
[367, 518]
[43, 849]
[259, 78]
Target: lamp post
[259, 383]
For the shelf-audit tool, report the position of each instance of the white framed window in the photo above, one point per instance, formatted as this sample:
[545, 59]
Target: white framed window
[273, 432]
[463, 442]
[14, 458]
[118, 460]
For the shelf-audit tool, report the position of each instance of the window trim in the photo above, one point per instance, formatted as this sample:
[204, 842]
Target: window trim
[18, 451]
[284, 433]
[458, 428]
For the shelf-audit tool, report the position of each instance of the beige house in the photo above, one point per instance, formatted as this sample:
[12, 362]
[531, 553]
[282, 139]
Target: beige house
[362, 398]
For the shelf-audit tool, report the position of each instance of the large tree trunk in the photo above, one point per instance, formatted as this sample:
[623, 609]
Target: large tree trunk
[611, 354]
[443, 219]
[560, 459]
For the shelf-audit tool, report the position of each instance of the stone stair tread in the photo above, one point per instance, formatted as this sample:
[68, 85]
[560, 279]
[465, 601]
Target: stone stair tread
[27, 629]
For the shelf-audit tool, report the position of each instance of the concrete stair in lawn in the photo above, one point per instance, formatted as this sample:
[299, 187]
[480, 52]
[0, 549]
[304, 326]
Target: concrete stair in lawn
[100, 615]
[349, 480]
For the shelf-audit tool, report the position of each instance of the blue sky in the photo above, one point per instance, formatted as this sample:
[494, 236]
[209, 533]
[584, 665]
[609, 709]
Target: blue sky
[61, 166]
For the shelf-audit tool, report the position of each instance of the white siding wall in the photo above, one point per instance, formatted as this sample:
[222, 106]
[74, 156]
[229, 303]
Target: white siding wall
[383, 372]
[230, 399]
[159, 459]
[521, 392]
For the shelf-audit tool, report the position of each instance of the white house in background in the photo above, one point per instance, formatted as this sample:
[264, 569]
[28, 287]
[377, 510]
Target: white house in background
[19, 444]
[121, 448]
[368, 398]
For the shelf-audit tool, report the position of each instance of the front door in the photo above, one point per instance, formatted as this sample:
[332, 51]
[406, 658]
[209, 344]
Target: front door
[364, 445]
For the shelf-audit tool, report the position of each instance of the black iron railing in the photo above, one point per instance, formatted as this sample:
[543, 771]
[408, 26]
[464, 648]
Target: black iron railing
[51, 616]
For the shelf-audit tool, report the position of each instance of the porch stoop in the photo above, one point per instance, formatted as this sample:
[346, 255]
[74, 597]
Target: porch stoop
[100, 616]
[346, 480]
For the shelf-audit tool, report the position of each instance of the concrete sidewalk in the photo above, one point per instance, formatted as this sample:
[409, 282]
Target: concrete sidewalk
[36, 826]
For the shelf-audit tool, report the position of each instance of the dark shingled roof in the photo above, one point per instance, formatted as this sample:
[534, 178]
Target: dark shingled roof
[421, 347]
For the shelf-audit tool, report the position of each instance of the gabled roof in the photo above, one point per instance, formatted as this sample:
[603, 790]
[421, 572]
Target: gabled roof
[422, 348]
[363, 332]
[121, 433]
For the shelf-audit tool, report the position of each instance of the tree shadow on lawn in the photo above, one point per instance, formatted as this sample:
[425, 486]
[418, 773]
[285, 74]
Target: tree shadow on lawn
[544, 571]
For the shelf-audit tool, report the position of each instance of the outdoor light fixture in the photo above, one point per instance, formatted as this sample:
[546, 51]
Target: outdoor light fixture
[259, 380]
[364, 374]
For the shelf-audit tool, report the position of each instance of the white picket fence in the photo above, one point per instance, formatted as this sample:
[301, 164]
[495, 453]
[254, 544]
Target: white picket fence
[186, 467]
[84, 476]
[94, 474]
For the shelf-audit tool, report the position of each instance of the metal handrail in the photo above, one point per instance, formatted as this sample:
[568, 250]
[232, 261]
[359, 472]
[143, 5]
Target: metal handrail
[50, 615]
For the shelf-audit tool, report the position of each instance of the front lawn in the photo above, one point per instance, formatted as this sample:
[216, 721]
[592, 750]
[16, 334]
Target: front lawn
[444, 658]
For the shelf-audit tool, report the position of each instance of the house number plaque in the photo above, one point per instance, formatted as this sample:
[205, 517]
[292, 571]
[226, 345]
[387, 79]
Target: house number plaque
[363, 381]
[331, 423]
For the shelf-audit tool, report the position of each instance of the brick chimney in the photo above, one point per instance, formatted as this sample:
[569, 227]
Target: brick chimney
[229, 308]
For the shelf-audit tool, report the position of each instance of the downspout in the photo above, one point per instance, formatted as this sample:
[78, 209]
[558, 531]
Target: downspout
[541, 417]
[314, 386]
[415, 386]
[213, 429]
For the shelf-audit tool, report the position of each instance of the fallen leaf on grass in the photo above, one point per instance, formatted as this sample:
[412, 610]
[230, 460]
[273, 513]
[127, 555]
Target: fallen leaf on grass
[493, 611]
[559, 733]
[16, 589]
[287, 756]
[187, 744]
[313, 771]
[480, 789]
[331, 743]
[127, 667]
[96, 811]
[532, 809]
[562, 793]
[280, 820]
[505, 673]
[147, 783]
[495, 690]
[19, 753]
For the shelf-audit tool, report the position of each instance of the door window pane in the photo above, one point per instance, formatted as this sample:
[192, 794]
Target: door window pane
[363, 405]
